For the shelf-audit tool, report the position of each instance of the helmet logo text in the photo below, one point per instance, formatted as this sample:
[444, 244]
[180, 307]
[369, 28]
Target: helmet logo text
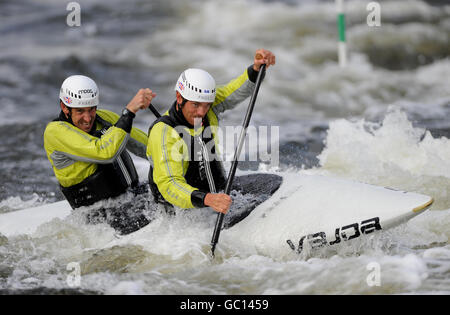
[86, 91]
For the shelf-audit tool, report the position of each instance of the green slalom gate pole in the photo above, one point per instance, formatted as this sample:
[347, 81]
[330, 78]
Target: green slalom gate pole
[342, 45]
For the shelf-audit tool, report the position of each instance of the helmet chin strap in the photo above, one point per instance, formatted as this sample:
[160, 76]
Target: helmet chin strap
[68, 115]
[180, 106]
[182, 103]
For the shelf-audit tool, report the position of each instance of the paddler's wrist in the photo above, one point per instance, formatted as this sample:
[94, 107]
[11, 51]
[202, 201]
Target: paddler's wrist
[253, 74]
[129, 111]
[125, 121]
[198, 198]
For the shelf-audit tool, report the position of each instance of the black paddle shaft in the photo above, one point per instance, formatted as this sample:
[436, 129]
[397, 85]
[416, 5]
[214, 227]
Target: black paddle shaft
[154, 110]
[237, 153]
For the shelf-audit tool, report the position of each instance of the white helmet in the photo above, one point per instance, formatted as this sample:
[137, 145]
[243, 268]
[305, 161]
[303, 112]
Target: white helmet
[196, 85]
[79, 91]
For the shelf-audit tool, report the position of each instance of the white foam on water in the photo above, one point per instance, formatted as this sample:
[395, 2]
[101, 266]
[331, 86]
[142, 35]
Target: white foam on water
[392, 153]
[170, 256]
[17, 203]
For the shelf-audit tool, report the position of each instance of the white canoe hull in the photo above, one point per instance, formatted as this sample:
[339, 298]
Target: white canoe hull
[312, 210]
[308, 210]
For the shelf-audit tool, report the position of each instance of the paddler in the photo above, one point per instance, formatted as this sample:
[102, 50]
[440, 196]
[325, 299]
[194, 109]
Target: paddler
[88, 147]
[178, 173]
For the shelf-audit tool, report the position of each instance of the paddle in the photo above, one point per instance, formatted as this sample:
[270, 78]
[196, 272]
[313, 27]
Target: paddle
[237, 153]
[154, 111]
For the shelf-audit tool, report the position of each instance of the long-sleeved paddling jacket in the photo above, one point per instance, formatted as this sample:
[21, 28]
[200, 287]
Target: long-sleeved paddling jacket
[75, 155]
[169, 155]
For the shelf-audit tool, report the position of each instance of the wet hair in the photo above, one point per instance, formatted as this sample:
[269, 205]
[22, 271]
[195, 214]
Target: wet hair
[183, 102]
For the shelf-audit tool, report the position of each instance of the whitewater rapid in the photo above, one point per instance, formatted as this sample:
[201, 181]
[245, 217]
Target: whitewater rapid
[382, 120]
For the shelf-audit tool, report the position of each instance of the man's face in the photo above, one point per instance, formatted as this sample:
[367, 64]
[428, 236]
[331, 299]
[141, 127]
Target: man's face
[194, 112]
[82, 118]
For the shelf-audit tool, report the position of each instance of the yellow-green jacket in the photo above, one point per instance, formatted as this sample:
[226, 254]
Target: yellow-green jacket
[75, 155]
[168, 153]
